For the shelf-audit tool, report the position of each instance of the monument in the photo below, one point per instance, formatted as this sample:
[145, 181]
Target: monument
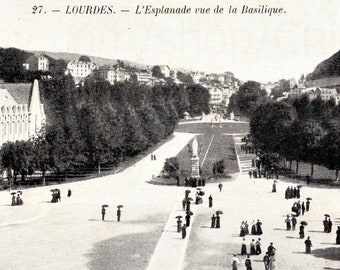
[195, 161]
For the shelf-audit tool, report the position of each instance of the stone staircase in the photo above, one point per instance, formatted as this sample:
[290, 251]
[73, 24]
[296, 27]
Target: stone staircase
[244, 160]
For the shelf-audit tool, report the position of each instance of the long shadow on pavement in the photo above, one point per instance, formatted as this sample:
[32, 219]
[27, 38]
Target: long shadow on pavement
[331, 253]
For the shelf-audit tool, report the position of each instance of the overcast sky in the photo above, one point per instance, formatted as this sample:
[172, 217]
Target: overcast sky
[254, 47]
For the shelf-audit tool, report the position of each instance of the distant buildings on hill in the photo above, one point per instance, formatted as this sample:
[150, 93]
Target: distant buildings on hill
[21, 111]
[37, 63]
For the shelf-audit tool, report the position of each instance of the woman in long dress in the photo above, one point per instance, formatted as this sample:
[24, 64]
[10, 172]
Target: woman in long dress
[288, 223]
[244, 247]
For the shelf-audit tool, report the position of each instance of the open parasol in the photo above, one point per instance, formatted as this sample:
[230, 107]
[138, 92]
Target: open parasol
[199, 188]
[201, 193]
[308, 198]
[187, 191]
[326, 215]
[120, 206]
[179, 217]
[299, 186]
[303, 223]
[276, 181]
[52, 190]
[105, 205]
[13, 193]
[19, 192]
[218, 212]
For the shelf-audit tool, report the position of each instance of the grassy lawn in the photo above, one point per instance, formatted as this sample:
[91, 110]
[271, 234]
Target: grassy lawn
[216, 146]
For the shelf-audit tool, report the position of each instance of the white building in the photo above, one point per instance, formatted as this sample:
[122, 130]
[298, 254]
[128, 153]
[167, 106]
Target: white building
[113, 74]
[22, 114]
[80, 69]
[35, 63]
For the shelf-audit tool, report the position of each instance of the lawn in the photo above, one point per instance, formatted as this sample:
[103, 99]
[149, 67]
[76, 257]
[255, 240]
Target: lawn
[216, 146]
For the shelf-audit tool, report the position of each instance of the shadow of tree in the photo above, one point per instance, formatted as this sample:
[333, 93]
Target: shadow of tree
[332, 253]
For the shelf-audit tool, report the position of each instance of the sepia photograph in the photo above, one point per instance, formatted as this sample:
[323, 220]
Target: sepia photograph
[170, 135]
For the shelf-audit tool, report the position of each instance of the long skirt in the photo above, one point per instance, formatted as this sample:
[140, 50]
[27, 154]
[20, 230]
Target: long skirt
[244, 249]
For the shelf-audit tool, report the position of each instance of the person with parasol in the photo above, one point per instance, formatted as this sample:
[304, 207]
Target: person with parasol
[308, 244]
[308, 204]
[19, 200]
[187, 218]
[302, 229]
[218, 213]
[220, 186]
[119, 212]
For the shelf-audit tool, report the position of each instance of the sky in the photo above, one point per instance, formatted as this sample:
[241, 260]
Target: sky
[252, 46]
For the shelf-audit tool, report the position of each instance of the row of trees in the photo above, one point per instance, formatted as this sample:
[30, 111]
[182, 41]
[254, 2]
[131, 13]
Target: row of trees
[301, 130]
[98, 124]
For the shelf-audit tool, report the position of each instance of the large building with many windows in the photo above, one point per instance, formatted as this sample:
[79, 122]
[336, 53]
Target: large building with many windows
[80, 69]
[22, 114]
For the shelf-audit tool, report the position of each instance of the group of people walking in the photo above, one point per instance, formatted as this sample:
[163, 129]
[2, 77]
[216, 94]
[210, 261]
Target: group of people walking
[17, 200]
[327, 224]
[292, 192]
[118, 213]
[256, 228]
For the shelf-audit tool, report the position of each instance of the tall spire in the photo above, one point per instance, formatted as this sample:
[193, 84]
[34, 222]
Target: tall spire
[35, 110]
[34, 106]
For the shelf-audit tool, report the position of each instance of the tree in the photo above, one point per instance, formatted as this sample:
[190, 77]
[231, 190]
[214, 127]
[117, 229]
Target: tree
[185, 78]
[171, 167]
[269, 124]
[199, 98]
[84, 58]
[330, 147]
[156, 72]
[248, 97]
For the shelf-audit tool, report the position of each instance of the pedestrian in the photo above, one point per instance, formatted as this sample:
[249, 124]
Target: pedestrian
[307, 205]
[288, 225]
[274, 187]
[250, 174]
[234, 262]
[337, 240]
[258, 249]
[244, 247]
[184, 231]
[308, 244]
[14, 201]
[118, 214]
[151, 156]
[210, 201]
[187, 219]
[217, 221]
[184, 202]
[252, 247]
[294, 221]
[103, 213]
[19, 200]
[253, 228]
[272, 262]
[298, 193]
[258, 227]
[154, 156]
[242, 229]
[178, 180]
[188, 205]
[302, 231]
[213, 221]
[271, 250]
[69, 193]
[325, 225]
[247, 263]
[303, 208]
[266, 261]
[179, 225]
[220, 186]
[330, 224]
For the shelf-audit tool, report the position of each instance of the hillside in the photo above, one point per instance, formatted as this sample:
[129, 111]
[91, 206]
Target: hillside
[327, 68]
[100, 61]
